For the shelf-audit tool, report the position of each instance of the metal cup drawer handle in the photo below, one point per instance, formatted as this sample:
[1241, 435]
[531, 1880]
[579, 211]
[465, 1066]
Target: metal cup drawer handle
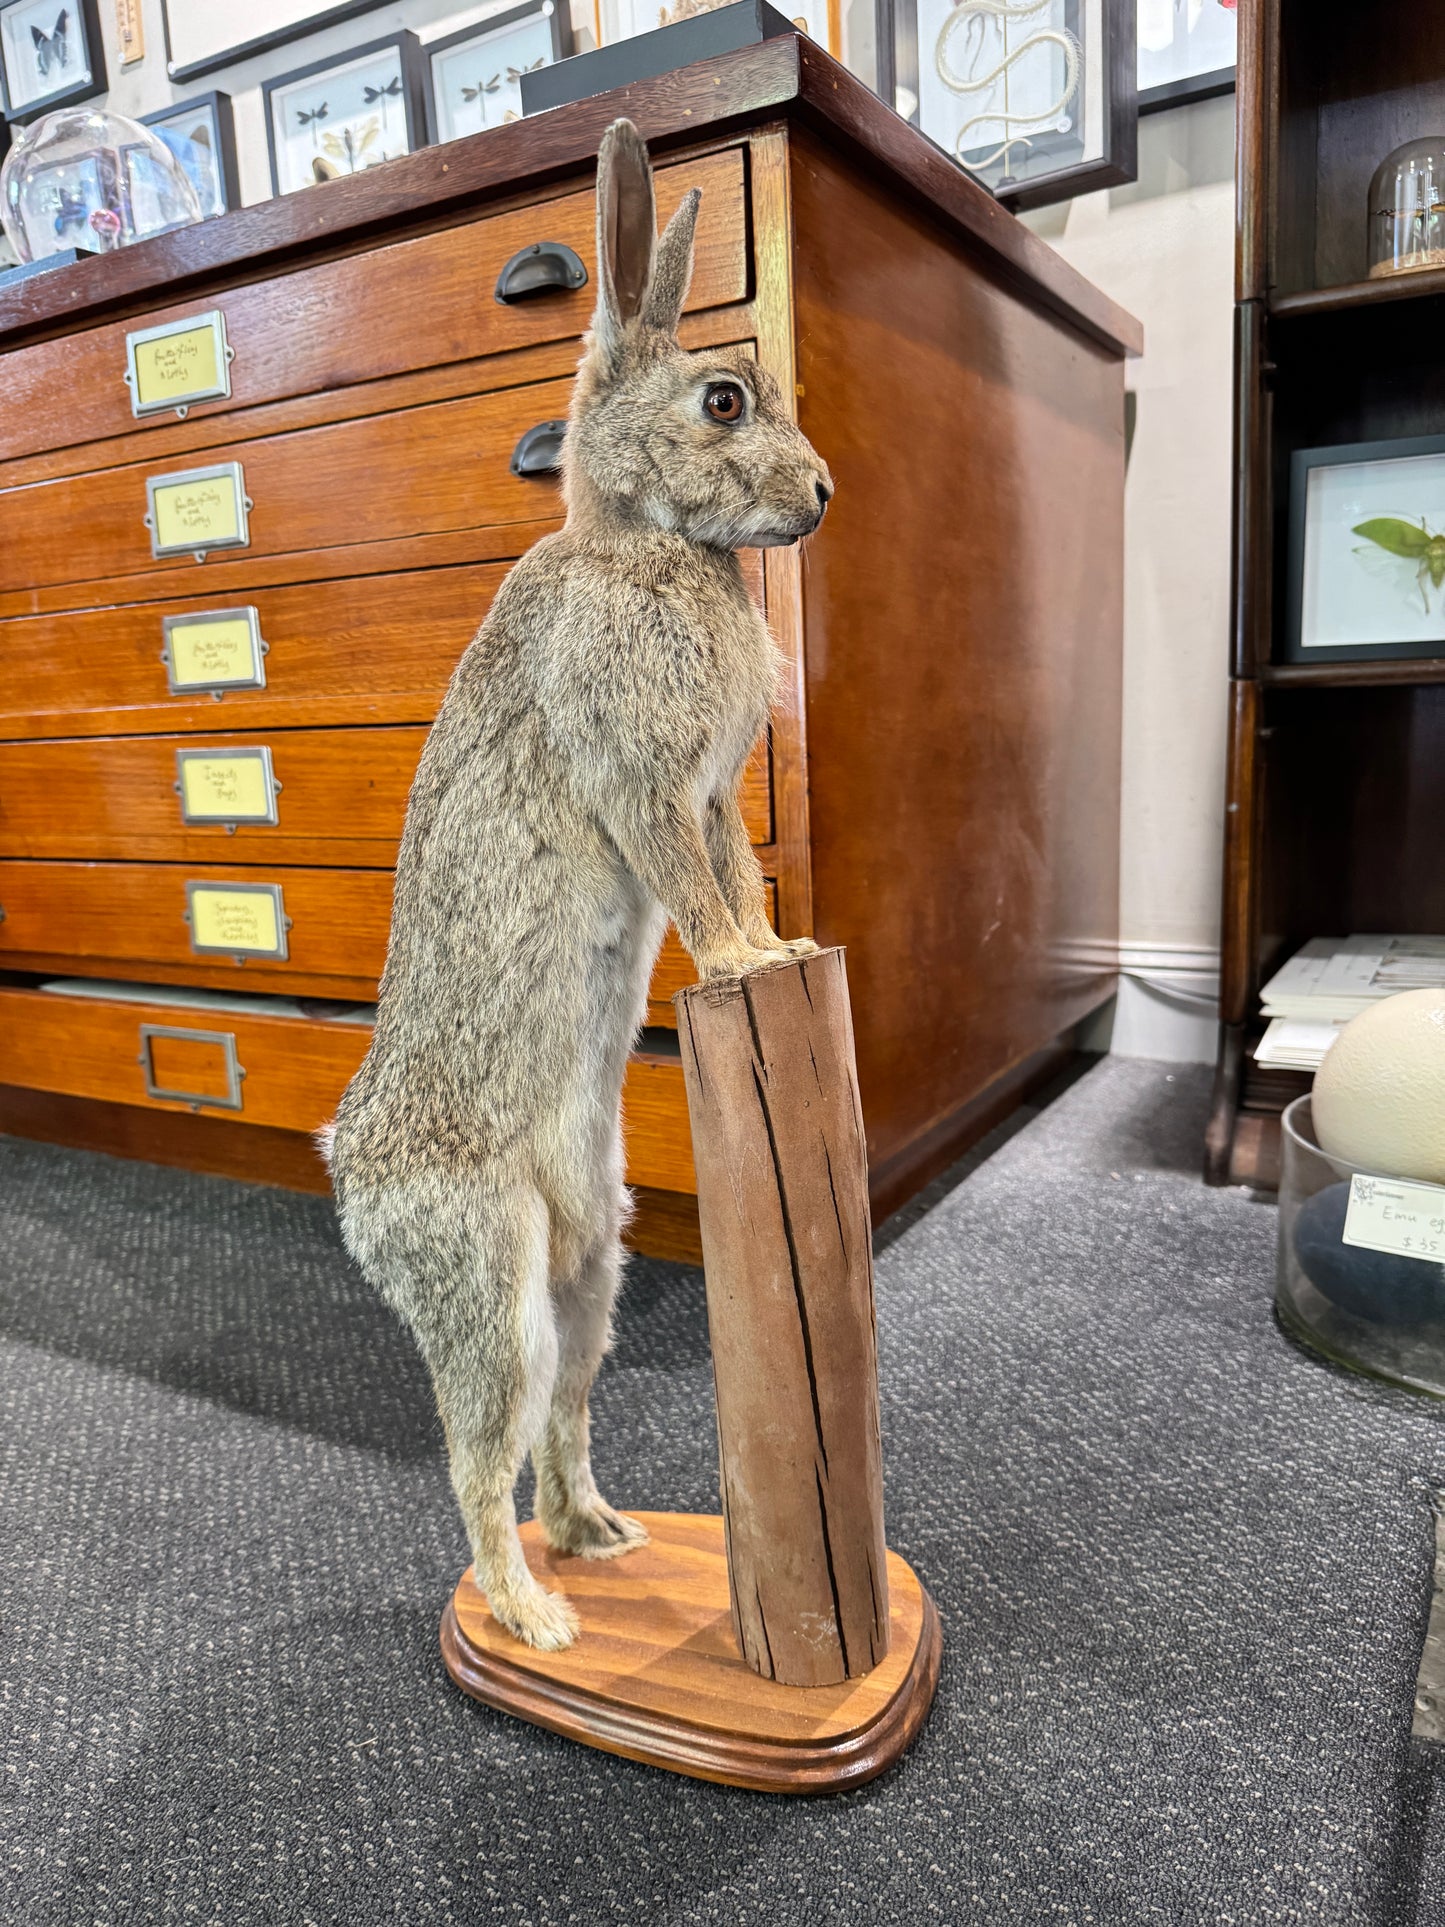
[226, 1042]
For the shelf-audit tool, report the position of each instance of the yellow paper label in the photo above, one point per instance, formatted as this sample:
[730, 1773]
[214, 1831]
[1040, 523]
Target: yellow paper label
[172, 368]
[235, 920]
[205, 653]
[197, 515]
[225, 789]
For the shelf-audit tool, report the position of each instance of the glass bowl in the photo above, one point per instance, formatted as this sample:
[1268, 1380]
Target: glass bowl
[1376, 1312]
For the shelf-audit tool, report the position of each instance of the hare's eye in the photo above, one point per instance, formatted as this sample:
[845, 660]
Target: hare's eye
[724, 401]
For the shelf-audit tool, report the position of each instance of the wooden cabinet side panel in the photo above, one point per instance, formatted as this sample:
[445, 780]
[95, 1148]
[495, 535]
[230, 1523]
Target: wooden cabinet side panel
[963, 617]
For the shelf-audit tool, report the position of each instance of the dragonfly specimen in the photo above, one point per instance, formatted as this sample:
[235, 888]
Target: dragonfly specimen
[1401, 539]
[52, 49]
[351, 143]
[511, 75]
[310, 120]
[391, 91]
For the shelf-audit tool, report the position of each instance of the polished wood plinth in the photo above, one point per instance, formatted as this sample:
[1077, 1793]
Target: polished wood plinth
[655, 1673]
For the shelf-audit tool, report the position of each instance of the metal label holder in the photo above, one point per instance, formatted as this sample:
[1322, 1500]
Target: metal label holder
[228, 471]
[225, 355]
[283, 923]
[230, 819]
[234, 1072]
[260, 649]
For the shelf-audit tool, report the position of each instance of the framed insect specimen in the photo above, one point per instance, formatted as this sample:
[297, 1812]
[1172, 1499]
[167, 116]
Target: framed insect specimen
[1035, 98]
[1367, 551]
[50, 55]
[474, 77]
[1187, 51]
[201, 133]
[346, 114]
[202, 35]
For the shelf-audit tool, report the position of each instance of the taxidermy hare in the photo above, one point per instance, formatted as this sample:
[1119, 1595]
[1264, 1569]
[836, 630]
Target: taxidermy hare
[578, 787]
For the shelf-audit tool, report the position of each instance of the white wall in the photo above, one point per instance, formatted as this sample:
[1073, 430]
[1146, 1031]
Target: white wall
[1164, 249]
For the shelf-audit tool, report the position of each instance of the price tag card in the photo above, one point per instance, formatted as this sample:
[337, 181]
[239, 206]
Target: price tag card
[178, 363]
[237, 919]
[198, 510]
[226, 786]
[215, 650]
[1396, 1215]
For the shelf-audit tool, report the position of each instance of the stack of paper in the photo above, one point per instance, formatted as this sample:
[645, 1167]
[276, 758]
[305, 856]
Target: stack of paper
[1333, 979]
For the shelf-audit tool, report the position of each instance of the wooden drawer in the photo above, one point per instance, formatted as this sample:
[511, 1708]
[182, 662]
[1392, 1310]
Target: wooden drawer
[295, 1069]
[416, 304]
[133, 920]
[372, 649]
[403, 474]
[341, 797]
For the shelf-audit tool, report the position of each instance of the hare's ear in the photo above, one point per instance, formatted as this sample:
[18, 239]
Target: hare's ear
[626, 231]
[672, 273]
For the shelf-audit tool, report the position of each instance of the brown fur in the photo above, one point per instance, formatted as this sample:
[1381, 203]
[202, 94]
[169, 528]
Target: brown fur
[578, 787]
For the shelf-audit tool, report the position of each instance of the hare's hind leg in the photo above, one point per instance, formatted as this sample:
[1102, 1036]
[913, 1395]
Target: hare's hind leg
[493, 1358]
[572, 1512]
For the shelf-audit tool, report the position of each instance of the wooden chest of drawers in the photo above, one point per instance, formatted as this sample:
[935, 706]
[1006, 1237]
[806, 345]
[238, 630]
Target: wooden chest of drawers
[197, 822]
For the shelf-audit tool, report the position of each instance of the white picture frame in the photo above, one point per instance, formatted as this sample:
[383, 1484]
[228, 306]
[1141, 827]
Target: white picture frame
[345, 115]
[50, 55]
[1367, 551]
[474, 77]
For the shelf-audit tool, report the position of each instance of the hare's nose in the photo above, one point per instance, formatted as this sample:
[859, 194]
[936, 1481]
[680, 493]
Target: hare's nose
[825, 495]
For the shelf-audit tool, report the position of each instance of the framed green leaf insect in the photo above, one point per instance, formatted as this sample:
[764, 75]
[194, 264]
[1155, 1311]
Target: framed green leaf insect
[1367, 552]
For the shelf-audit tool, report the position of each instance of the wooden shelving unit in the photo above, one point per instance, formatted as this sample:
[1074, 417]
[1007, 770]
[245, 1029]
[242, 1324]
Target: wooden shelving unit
[1336, 782]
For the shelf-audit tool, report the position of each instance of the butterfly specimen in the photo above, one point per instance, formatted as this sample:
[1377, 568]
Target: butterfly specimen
[69, 211]
[350, 144]
[52, 49]
[1397, 537]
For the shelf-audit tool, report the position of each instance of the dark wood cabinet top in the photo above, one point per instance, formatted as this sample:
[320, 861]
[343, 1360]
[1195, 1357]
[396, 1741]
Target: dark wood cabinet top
[787, 78]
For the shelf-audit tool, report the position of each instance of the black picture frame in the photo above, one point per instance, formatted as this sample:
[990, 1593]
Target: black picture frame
[561, 25]
[1181, 93]
[228, 56]
[223, 120]
[898, 66]
[413, 94]
[87, 16]
[1343, 454]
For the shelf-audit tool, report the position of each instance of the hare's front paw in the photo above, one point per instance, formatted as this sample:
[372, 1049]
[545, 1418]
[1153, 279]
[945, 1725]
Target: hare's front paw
[737, 962]
[537, 1617]
[799, 947]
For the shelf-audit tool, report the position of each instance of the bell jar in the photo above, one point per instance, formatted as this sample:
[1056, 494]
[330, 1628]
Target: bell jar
[1407, 209]
[81, 178]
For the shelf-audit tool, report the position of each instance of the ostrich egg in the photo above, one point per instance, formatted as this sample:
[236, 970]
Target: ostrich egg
[1379, 1096]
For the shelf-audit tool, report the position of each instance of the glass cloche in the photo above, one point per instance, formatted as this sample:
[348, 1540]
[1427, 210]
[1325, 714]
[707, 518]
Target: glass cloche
[84, 179]
[1407, 209]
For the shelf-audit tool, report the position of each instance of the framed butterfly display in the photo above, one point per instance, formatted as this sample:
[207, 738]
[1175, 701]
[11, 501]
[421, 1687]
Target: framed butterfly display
[346, 114]
[50, 55]
[474, 78]
[201, 133]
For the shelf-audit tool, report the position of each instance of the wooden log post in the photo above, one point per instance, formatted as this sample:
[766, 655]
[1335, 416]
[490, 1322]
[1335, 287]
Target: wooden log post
[782, 1180]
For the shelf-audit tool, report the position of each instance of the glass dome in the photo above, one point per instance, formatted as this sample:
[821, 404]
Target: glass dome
[1407, 209]
[84, 179]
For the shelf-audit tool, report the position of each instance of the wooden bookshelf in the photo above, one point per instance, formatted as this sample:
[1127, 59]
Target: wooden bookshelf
[1336, 776]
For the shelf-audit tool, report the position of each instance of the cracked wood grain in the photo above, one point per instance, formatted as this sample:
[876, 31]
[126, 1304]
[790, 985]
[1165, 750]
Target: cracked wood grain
[783, 1202]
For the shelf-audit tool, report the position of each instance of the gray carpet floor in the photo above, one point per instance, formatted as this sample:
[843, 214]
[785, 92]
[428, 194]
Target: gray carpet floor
[1182, 1570]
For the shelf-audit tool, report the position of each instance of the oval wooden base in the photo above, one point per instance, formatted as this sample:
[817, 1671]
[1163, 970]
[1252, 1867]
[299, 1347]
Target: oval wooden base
[655, 1675]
